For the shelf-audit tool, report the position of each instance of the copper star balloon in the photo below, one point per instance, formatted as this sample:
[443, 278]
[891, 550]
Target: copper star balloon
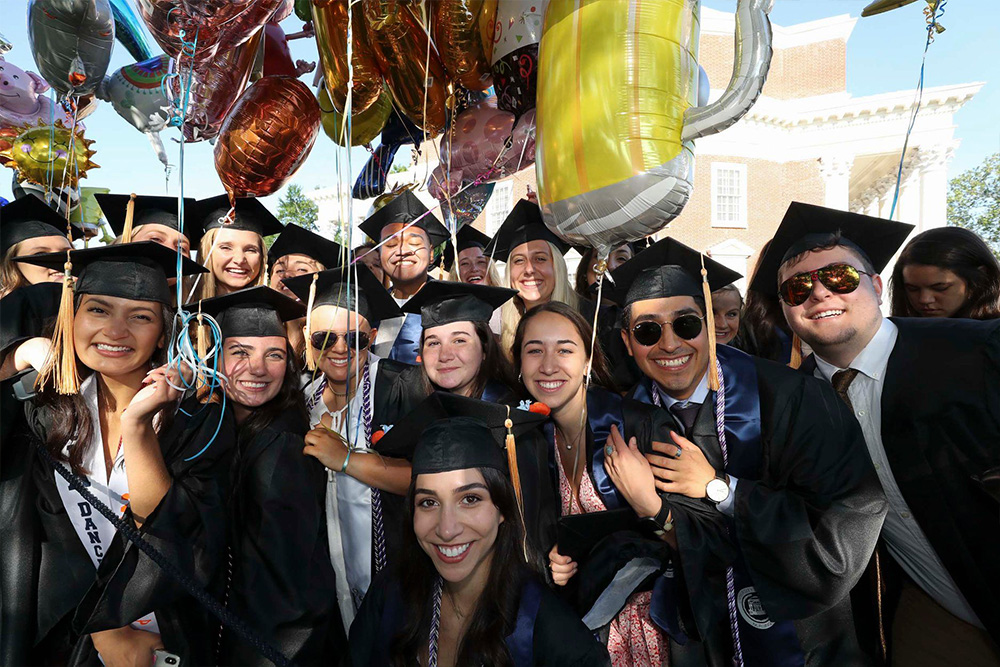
[267, 136]
[37, 151]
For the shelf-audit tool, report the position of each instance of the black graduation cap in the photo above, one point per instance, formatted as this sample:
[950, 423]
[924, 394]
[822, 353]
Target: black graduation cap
[295, 240]
[251, 215]
[523, 224]
[151, 210]
[467, 237]
[453, 432]
[367, 297]
[808, 227]
[255, 312]
[136, 271]
[404, 209]
[440, 302]
[28, 218]
[665, 269]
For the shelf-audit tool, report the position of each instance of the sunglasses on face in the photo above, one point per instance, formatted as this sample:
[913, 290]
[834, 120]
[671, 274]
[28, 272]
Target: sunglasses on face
[838, 278]
[686, 327]
[322, 340]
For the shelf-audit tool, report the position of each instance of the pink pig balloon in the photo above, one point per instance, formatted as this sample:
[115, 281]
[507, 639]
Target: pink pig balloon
[22, 99]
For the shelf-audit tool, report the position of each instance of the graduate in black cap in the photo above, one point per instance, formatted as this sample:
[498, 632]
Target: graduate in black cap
[463, 594]
[29, 227]
[767, 450]
[149, 452]
[297, 252]
[535, 266]
[472, 265]
[282, 582]
[925, 392]
[408, 234]
[135, 218]
[352, 393]
[232, 248]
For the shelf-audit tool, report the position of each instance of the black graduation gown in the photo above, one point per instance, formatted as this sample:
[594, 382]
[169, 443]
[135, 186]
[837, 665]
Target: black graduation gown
[558, 636]
[806, 525]
[27, 311]
[187, 527]
[283, 584]
[941, 433]
[623, 369]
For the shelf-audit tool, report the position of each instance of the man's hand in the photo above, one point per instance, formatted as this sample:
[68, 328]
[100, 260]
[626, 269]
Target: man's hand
[680, 467]
[631, 474]
[563, 567]
[126, 647]
[326, 447]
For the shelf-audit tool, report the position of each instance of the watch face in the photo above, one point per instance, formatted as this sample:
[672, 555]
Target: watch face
[717, 490]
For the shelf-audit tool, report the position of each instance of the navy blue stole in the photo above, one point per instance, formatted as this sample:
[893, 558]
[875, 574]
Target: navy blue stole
[406, 347]
[764, 641]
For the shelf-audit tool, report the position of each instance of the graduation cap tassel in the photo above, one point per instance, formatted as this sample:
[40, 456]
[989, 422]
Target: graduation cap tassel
[60, 367]
[713, 360]
[129, 215]
[201, 347]
[515, 474]
[310, 353]
[796, 358]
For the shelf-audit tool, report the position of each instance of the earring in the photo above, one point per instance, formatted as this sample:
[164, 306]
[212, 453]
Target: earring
[519, 378]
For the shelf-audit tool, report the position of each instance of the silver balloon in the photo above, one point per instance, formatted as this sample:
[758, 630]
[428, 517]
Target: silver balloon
[72, 42]
[136, 93]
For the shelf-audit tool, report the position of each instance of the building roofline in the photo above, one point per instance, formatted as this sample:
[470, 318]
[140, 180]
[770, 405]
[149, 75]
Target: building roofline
[839, 27]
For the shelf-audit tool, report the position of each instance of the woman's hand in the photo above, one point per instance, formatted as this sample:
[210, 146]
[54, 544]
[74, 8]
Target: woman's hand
[32, 353]
[631, 474]
[326, 447]
[159, 391]
[563, 567]
[126, 647]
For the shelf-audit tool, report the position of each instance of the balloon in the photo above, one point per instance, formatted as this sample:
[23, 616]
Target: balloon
[616, 119]
[136, 93]
[72, 42]
[330, 21]
[36, 152]
[277, 55]
[266, 136]
[215, 86]
[303, 9]
[22, 101]
[459, 39]
[371, 180]
[5, 45]
[403, 54]
[474, 148]
[128, 30]
[365, 126]
[284, 10]
[514, 62]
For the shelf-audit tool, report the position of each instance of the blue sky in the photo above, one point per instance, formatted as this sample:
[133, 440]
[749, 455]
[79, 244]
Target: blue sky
[883, 55]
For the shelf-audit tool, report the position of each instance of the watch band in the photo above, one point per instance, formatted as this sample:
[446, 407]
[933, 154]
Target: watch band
[662, 525]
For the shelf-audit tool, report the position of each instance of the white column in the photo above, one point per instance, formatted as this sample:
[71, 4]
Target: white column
[934, 187]
[836, 173]
[908, 209]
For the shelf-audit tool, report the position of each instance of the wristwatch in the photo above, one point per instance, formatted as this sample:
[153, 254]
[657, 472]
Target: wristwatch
[717, 490]
[659, 523]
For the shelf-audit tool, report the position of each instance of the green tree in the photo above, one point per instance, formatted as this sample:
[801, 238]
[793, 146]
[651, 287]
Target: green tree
[974, 201]
[296, 207]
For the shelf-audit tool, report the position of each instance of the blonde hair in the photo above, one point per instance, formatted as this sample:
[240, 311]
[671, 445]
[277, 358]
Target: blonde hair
[493, 278]
[11, 277]
[208, 288]
[511, 312]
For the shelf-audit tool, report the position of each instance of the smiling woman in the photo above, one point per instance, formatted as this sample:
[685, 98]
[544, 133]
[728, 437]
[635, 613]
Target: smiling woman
[30, 228]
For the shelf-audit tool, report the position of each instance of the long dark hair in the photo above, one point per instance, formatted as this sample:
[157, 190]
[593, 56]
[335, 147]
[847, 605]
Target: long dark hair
[599, 372]
[289, 401]
[68, 416]
[496, 609]
[581, 284]
[495, 365]
[763, 328]
[963, 253]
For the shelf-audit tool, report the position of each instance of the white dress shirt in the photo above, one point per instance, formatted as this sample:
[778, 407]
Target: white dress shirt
[348, 501]
[904, 537]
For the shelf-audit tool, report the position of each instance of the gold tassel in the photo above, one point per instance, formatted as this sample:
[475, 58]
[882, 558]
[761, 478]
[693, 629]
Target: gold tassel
[713, 360]
[201, 347]
[129, 214]
[796, 359]
[60, 367]
[310, 353]
[515, 476]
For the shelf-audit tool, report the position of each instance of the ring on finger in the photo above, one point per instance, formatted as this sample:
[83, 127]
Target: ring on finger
[609, 450]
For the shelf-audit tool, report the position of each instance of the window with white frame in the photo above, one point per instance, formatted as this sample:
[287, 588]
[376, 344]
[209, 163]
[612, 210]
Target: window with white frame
[729, 194]
[500, 205]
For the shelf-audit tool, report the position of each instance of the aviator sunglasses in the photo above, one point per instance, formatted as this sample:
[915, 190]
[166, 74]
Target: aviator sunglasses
[838, 278]
[322, 340]
[686, 327]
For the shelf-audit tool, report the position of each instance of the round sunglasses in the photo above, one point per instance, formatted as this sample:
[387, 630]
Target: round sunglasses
[686, 327]
[322, 340]
[838, 278]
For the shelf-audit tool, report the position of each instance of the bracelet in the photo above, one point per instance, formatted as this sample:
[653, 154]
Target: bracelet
[347, 460]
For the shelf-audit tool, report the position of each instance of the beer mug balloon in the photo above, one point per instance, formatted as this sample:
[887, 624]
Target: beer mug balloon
[618, 111]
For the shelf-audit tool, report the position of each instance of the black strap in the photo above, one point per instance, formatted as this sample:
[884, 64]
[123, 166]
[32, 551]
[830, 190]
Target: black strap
[130, 532]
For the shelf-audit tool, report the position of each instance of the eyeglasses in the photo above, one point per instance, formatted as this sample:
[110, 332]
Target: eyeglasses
[322, 340]
[838, 278]
[686, 327]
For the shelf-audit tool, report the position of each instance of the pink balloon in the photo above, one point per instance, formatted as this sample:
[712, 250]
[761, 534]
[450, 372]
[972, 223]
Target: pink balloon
[23, 101]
